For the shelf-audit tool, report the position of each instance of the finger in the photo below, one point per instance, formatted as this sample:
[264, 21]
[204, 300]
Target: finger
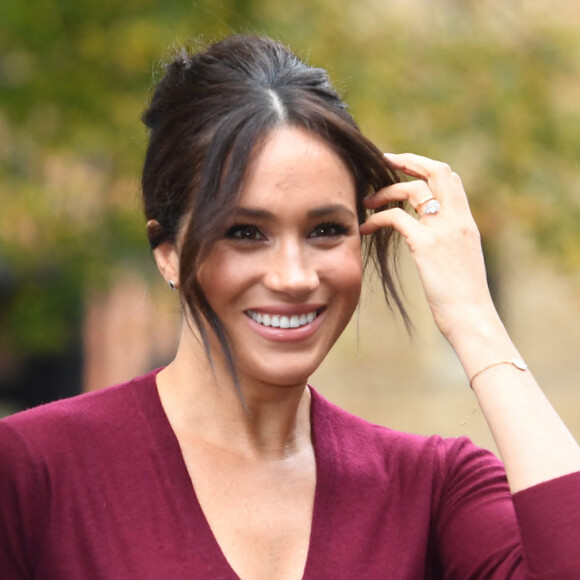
[415, 192]
[395, 218]
[417, 165]
[444, 183]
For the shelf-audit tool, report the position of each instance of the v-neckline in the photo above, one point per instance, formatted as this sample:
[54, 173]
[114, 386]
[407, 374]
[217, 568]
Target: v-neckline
[195, 526]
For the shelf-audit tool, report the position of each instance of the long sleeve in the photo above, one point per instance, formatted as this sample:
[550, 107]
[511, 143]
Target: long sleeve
[549, 521]
[483, 531]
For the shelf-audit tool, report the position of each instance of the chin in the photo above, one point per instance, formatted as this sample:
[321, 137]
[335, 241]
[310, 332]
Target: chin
[290, 376]
[290, 379]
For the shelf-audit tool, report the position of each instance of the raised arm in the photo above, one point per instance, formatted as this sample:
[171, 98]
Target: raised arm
[533, 441]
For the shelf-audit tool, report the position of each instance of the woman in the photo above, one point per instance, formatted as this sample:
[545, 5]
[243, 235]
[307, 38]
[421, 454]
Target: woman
[259, 191]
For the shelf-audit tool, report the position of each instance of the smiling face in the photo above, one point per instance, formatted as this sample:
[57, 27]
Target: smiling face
[286, 276]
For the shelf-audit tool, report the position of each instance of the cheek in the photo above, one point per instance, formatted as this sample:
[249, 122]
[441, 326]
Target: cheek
[352, 274]
[346, 272]
[225, 274]
[215, 273]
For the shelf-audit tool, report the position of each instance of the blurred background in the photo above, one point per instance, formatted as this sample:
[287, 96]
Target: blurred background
[493, 88]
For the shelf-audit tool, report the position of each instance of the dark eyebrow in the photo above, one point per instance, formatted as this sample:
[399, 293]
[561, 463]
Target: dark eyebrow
[255, 213]
[318, 212]
[330, 210]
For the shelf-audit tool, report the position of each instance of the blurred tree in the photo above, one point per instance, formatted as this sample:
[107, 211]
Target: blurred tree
[74, 79]
[490, 87]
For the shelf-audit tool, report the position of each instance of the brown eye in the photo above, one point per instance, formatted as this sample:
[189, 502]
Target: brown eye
[328, 230]
[245, 232]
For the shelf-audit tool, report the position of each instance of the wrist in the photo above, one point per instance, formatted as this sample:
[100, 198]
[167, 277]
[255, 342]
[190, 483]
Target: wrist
[480, 342]
[517, 363]
[475, 324]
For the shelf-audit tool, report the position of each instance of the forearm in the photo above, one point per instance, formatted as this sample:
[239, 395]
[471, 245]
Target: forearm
[534, 443]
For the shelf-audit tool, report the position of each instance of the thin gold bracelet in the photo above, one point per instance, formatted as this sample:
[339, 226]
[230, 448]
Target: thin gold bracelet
[518, 363]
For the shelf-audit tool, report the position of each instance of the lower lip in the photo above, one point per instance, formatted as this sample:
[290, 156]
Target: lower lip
[287, 334]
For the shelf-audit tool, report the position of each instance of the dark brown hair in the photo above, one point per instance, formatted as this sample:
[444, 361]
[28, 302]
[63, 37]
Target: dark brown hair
[208, 118]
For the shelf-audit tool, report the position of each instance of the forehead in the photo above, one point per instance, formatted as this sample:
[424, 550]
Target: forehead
[295, 166]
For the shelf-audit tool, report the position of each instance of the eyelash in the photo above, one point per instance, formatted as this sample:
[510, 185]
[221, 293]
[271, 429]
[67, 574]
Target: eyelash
[252, 233]
[241, 231]
[336, 230]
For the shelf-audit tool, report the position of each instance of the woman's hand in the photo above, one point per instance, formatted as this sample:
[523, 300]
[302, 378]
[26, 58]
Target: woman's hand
[533, 441]
[445, 245]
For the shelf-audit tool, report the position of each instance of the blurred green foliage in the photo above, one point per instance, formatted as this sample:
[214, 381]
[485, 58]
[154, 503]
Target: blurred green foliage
[490, 87]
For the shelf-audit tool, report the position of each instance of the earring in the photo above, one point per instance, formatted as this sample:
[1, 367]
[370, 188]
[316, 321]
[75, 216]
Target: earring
[171, 285]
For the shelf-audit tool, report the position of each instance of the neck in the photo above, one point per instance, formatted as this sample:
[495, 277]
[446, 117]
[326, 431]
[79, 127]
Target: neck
[273, 421]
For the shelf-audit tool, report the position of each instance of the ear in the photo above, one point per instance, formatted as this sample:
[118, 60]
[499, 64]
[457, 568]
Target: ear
[166, 256]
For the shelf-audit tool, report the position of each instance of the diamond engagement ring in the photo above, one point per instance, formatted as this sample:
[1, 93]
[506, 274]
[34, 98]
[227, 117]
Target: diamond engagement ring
[429, 206]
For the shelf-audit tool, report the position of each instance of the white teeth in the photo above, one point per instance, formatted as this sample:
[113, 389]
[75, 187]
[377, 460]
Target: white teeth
[277, 321]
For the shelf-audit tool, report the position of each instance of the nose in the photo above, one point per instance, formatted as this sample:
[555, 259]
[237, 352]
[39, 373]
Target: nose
[291, 270]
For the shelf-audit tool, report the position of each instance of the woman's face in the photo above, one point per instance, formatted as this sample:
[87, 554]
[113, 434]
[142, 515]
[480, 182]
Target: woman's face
[286, 276]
